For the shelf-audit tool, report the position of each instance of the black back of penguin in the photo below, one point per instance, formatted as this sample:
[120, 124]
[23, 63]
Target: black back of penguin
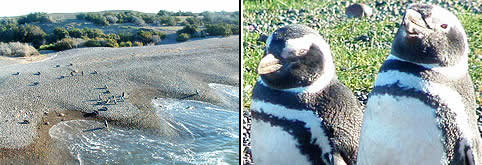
[301, 77]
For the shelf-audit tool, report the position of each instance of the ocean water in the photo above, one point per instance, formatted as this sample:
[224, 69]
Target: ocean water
[208, 134]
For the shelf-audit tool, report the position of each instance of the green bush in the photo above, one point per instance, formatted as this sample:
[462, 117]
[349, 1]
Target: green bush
[35, 17]
[193, 21]
[111, 43]
[60, 33]
[7, 21]
[17, 49]
[32, 34]
[93, 43]
[182, 37]
[92, 33]
[164, 13]
[148, 19]
[137, 43]
[68, 43]
[124, 37]
[111, 19]
[47, 47]
[23, 33]
[219, 30]
[126, 44]
[138, 21]
[169, 21]
[150, 36]
[235, 30]
[94, 17]
[64, 44]
[75, 33]
[190, 29]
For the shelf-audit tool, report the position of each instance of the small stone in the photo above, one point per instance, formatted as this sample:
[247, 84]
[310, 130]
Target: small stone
[46, 113]
[363, 37]
[358, 10]
[61, 114]
[47, 123]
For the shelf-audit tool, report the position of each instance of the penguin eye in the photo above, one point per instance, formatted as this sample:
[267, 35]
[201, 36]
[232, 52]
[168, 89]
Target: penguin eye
[444, 26]
[302, 52]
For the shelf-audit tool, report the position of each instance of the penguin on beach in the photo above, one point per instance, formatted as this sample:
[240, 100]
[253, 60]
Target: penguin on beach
[422, 107]
[301, 113]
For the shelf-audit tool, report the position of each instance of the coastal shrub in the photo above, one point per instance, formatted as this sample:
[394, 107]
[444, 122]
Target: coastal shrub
[164, 13]
[169, 21]
[138, 21]
[69, 43]
[93, 43]
[17, 49]
[111, 19]
[156, 39]
[220, 17]
[7, 21]
[190, 29]
[235, 30]
[35, 17]
[23, 33]
[126, 44]
[31, 34]
[92, 32]
[60, 33]
[111, 43]
[148, 18]
[124, 37]
[219, 30]
[193, 21]
[182, 37]
[112, 36]
[137, 43]
[75, 33]
[93, 17]
[8, 32]
[149, 36]
[81, 16]
[47, 47]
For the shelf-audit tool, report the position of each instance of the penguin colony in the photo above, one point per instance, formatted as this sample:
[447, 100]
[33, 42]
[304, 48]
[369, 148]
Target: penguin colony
[420, 111]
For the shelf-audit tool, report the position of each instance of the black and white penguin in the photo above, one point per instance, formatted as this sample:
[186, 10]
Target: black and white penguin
[422, 107]
[301, 113]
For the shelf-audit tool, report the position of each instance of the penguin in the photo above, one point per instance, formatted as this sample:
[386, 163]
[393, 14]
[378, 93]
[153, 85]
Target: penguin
[422, 107]
[106, 125]
[301, 113]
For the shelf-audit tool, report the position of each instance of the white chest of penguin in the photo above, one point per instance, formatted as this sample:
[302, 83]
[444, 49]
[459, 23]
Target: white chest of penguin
[405, 130]
[279, 144]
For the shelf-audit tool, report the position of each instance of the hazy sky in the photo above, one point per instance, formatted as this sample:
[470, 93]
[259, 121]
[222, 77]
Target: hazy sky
[23, 7]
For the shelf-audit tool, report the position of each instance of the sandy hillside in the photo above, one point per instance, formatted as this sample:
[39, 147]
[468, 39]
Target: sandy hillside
[29, 100]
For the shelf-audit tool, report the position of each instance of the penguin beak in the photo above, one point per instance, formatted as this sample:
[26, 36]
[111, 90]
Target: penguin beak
[269, 64]
[414, 24]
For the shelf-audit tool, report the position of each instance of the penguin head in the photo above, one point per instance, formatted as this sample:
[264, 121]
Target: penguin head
[430, 34]
[295, 56]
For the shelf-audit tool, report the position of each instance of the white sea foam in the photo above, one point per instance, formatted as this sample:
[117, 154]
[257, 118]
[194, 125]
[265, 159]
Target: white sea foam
[210, 136]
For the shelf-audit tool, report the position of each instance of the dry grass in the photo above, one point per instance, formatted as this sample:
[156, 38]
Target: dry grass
[17, 49]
